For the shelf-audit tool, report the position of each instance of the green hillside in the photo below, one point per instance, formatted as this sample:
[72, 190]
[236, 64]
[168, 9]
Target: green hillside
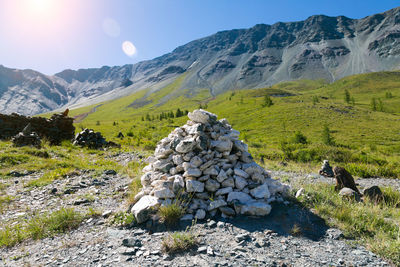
[364, 126]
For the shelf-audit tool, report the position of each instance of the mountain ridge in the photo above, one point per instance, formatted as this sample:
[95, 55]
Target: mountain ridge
[320, 47]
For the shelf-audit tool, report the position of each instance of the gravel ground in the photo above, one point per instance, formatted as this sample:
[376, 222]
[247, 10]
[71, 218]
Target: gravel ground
[242, 241]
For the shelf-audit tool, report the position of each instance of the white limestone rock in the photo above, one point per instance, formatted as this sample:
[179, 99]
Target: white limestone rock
[142, 209]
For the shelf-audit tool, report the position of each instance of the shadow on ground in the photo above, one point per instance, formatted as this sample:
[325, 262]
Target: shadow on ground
[285, 220]
[292, 219]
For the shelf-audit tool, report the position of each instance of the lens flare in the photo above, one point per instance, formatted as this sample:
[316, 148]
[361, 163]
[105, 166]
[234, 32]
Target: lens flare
[129, 49]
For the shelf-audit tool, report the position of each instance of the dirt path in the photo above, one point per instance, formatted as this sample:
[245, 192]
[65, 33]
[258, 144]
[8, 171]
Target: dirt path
[81, 117]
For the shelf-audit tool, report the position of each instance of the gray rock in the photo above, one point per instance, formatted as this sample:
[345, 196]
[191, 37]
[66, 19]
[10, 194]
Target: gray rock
[164, 193]
[223, 191]
[194, 186]
[227, 211]
[254, 208]
[186, 145]
[261, 192]
[240, 196]
[211, 171]
[178, 183]
[230, 182]
[131, 242]
[196, 161]
[212, 185]
[216, 204]
[222, 176]
[349, 193]
[222, 144]
[240, 182]
[241, 173]
[192, 172]
[200, 214]
[202, 116]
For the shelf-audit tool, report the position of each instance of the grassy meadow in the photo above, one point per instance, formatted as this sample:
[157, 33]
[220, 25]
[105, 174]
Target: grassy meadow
[360, 114]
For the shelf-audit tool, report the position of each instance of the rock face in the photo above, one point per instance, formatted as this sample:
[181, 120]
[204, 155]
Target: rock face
[204, 163]
[56, 129]
[320, 47]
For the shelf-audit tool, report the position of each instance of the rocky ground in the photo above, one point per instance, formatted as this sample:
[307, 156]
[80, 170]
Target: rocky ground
[243, 241]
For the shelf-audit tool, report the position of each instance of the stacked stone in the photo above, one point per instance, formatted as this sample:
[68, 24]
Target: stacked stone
[326, 169]
[90, 139]
[59, 127]
[204, 162]
[27, 138]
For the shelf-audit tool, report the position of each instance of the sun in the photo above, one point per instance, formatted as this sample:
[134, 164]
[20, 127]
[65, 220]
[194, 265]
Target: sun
[41, 6]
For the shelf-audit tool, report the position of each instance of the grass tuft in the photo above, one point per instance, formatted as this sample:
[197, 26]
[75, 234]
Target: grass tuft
[179, 242]
[171, 214]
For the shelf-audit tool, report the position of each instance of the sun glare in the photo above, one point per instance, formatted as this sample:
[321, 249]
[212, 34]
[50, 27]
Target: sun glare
[129, 49]
[41, 5]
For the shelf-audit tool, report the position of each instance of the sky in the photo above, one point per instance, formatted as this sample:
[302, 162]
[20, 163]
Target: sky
[52, 35]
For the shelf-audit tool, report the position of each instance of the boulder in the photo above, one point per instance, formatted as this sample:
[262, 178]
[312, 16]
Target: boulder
[349, 193]
[144, 207]
[373, 193]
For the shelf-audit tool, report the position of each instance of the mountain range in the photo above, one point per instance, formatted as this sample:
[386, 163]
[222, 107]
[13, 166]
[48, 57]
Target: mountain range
[319, 47]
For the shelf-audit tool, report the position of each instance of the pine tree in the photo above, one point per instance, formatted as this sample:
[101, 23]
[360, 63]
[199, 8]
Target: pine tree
[327, 139]
[267, 101]
[373, 104]
[347, 97]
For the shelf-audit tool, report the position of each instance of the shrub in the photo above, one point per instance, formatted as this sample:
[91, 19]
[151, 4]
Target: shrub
[299, 138]
[327, 139]
[267, 101]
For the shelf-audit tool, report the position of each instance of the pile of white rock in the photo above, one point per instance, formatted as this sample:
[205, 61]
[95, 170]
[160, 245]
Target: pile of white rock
[204, 163]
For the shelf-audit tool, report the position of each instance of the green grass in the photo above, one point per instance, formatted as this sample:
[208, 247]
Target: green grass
[54, 162]
[365, 141]
[179, 242]
[371, 225]
[40, 226]
[172, 213]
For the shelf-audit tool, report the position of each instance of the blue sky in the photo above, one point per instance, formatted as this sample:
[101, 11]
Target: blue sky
[53, 35]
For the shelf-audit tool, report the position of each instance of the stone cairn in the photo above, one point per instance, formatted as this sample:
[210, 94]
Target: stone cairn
[27, 138]
[91, 139]
[205, 163]
[326, 169]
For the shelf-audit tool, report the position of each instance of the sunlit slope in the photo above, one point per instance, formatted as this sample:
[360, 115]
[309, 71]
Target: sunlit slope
[306, 106]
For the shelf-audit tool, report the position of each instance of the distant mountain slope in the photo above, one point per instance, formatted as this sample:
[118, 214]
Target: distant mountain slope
[319, 47]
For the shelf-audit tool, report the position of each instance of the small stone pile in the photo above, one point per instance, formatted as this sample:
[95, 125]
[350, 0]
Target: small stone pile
[27, 138]
[91, 139]
[326, 169]
[204, 163]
